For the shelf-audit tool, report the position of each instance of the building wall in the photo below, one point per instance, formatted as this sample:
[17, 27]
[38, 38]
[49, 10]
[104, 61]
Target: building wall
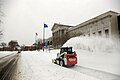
[114, 28]
[59, 33]
[104, 25]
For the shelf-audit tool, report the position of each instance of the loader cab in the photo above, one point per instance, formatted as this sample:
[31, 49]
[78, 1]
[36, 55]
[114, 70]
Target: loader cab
[66, 57]
[66, 49]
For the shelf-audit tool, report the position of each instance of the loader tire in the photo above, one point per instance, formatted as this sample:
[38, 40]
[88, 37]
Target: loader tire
[61, 63]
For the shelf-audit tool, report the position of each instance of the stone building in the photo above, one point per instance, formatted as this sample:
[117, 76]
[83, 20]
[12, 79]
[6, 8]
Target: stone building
[105, 25]
[59, 34]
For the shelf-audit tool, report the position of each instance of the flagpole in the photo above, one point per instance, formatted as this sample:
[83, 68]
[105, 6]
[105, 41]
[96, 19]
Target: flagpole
[35, 37]
[43, 37]
[45, 26]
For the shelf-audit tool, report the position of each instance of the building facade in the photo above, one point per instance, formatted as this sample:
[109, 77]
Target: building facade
[105, 25]
[59, 34]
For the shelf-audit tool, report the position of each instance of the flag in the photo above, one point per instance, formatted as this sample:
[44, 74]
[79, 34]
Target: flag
[36, 34]
[45, 26]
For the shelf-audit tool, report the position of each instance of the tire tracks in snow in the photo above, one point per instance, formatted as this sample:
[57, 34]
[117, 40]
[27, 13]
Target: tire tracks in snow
[8, 70]
[95, 73]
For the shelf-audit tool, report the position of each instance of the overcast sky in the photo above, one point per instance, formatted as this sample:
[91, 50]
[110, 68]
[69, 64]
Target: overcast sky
[24, 18]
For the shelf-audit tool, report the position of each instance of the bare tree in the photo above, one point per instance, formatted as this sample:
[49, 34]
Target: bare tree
[1, 14]
[3, 44]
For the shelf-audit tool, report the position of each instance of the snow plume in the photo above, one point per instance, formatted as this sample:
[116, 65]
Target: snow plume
[93, 44]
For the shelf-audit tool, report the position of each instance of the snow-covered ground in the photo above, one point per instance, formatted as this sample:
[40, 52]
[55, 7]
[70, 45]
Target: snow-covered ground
[38, 66]
[97, 53]
[5, 53]
[93, 53]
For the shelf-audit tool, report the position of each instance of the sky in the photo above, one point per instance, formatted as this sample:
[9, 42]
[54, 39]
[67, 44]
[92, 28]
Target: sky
[23, 18]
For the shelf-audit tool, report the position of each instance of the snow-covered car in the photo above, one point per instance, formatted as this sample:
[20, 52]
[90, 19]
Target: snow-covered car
[19, 50]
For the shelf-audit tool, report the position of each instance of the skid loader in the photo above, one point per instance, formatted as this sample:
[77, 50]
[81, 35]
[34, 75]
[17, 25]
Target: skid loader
[66, 57]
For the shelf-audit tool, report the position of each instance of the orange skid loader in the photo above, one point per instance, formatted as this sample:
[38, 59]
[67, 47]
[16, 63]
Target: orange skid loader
[66, 57]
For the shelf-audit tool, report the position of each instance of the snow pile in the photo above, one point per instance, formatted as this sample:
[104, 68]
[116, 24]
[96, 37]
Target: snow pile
[97, 53]
[98, 44]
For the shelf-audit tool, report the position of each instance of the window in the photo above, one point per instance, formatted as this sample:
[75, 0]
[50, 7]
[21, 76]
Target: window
[62, 31]
[69, 50]
[88, 34]
[94, 34]
[99, 33]
[119, 25]
[119, 34]
[106, 33]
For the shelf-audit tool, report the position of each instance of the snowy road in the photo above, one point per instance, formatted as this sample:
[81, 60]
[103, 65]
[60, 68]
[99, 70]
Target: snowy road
[7, 58]
[39, 66]
[6, 53]
[7, 63]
